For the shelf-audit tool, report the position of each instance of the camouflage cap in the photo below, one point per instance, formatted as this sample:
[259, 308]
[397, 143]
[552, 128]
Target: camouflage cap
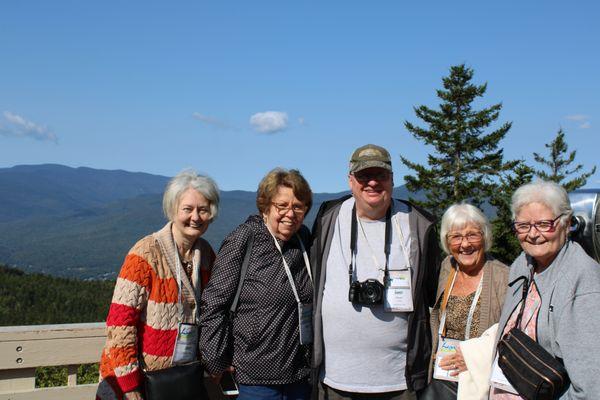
[370, 156]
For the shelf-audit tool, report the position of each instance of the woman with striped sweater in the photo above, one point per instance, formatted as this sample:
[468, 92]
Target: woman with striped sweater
[157, 289]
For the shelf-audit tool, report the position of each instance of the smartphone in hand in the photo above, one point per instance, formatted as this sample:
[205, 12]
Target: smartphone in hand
[228, 385]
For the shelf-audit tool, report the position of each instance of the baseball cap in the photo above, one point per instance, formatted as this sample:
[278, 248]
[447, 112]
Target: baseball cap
[370, 156]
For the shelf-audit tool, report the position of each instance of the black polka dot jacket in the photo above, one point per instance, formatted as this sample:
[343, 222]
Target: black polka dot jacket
[262, 340]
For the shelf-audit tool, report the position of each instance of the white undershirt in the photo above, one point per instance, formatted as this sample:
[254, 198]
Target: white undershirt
[365, 347]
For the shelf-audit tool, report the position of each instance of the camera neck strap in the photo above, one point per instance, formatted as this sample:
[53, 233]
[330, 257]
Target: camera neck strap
[354, 240]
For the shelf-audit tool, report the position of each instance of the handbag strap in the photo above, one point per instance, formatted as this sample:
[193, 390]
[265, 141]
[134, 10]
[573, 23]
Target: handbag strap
[243, 271]
[447, 290]
[524, 296]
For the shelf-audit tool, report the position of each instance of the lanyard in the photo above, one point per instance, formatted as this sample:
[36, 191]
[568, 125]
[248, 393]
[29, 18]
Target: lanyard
[179, 267]
[287, 267]
[447, 292]
[402, 243]
[353, 240]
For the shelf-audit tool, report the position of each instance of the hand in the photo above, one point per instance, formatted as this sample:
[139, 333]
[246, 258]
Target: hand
[133, 395]
[216, 378]
[454, 362]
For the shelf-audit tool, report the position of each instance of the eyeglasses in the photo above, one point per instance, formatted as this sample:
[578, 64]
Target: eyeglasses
[545, 225]
[366, 176]
[456, 239]
[283, 208]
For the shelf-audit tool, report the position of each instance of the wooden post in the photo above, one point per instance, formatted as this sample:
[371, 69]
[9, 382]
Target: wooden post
[72, 375]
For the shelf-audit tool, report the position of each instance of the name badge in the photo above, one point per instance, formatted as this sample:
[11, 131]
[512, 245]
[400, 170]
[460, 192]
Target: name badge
[398, 292]
[498, 380]
[305, 323]
[446, 347]
[186, 345]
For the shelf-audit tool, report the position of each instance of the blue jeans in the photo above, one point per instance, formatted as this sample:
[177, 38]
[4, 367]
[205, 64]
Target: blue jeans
[291, 391]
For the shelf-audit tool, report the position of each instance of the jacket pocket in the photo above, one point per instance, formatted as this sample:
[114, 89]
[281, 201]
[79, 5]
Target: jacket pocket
[246, 331]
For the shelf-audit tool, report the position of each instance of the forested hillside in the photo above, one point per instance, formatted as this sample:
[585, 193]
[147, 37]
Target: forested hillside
[80, 222]
[32, 299]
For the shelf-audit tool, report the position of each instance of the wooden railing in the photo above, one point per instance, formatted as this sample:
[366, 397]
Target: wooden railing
[24, 348]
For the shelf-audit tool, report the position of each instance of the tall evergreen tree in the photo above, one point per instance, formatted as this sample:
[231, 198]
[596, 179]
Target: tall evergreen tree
[558, 163]
[506, 247]
[466, 159]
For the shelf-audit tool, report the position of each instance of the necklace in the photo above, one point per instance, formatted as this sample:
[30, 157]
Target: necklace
[188, 266]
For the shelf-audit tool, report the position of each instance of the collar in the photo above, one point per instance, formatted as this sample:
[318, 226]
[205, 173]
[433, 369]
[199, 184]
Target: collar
[164, 237]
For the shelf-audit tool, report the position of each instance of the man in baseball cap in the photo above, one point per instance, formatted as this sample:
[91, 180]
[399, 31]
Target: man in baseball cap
[375, 263]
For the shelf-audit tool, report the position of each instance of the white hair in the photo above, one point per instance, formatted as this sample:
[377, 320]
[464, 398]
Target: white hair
[190, 179]
[458, 216]
[548, 193]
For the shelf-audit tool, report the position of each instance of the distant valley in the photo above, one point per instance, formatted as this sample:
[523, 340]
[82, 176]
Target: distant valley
[80, 222]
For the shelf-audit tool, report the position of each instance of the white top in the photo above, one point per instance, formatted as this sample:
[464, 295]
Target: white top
[365, 347]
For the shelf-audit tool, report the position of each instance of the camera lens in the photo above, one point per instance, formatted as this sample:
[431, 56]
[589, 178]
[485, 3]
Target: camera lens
[373, 292]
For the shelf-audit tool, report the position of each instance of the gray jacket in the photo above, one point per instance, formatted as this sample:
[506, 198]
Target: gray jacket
[424, 253]
[568, 324]
[493, 289]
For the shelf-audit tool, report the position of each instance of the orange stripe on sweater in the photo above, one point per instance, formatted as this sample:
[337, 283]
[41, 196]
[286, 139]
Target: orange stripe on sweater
[120, 356]
[165, 291]
[136, 269]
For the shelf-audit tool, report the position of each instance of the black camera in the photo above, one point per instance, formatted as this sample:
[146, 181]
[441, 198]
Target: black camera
[366, 293]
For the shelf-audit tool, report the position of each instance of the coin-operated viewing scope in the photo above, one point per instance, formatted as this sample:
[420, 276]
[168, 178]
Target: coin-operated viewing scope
[585, 225]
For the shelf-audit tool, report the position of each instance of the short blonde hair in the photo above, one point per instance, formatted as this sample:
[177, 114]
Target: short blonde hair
[190, 179]
[460, 215]
[293, 179]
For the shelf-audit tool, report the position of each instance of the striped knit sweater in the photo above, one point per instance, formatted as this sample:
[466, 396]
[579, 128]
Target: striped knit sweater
[141, 326]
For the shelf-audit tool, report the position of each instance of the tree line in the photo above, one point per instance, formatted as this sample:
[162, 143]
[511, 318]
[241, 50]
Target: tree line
[37, 299]
[468, 164]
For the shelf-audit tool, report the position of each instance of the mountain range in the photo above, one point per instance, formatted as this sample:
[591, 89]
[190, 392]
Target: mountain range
[80, 222]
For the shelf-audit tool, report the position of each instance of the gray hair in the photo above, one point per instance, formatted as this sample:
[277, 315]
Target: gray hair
[185, 180]
[548, 193]
[460, 215]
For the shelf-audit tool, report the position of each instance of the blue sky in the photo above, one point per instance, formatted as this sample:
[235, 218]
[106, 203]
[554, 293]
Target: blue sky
[234, 89]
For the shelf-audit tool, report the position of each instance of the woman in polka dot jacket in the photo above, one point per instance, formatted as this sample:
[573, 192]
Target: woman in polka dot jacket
[261, 344]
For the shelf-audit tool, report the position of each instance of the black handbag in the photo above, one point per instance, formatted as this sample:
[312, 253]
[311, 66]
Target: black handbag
[179, 382]
[531, 370]
[439, 390]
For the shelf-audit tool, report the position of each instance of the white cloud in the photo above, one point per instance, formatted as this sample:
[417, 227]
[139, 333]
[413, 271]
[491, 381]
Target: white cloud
[211, 121]
[21, 127]
[583, 120]
[585, 125]
[577, 117]
[269, 121]
[301, 121]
